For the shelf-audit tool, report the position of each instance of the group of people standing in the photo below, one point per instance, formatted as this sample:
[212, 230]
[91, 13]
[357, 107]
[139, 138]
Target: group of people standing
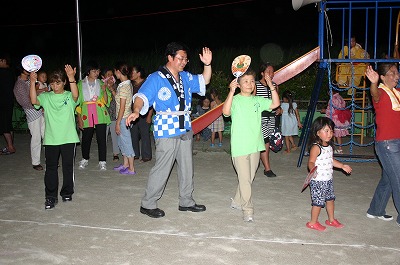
[168, 91]
[103, 106]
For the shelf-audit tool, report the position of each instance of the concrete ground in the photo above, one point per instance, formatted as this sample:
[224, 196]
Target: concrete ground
[103, 225]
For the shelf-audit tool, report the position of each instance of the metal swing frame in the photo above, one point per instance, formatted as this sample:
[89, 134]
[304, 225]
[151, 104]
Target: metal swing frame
[383, 18]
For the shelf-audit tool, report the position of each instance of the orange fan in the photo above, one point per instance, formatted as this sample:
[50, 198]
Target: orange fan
[240, 65]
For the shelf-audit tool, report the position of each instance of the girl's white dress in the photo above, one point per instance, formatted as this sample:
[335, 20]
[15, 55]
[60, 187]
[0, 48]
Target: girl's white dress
[289, 121]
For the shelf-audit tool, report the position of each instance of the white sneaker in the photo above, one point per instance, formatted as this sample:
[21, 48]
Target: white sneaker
[235, 206]
[248, 218]
[382, 217]
[83, 163]
[103, 165]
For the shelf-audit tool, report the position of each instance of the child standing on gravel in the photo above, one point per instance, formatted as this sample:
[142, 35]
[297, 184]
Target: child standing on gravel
[218, 125]
[246, 136]
[201, 108]
[337, 112]
[290, 121]
[321, 187]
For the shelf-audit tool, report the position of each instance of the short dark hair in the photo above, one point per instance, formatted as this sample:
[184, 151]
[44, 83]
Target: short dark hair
[173, 47]
[41, 71]
[265, 66]
[383, 68]
[105, 70]
[5, 56]
[91, 65]
[140, 70]
[57, 75]
[248, 72]
[316, 126]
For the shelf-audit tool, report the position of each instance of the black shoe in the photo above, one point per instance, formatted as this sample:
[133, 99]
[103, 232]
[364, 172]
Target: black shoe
[67, 198]
[269, 174]
[154, 213]
[194, 208]
[38, 167]
[50, 203]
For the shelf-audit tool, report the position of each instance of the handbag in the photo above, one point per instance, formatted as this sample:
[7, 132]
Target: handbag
[276, 140]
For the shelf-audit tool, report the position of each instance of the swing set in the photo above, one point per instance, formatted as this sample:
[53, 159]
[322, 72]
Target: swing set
[375, 19]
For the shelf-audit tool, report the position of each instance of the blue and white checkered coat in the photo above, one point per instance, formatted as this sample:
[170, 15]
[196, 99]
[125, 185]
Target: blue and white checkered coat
[157, 91]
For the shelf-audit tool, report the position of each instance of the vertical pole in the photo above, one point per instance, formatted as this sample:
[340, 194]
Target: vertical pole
[311, 110]
[79, 38]
[317, 87]
[321, 33]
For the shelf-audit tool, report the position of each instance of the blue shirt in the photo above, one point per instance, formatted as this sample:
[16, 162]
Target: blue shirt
[157, 91]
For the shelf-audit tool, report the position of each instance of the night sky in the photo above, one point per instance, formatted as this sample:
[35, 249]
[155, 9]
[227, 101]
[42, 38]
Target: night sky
[49, 27]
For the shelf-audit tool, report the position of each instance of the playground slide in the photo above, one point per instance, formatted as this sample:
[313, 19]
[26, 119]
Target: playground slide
[282, 75]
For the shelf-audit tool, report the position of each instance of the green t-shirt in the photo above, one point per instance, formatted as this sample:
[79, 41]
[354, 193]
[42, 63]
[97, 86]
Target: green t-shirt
[59, 115]
[246, 135]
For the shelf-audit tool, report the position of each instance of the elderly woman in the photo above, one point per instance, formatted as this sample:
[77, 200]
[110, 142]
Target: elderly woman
[386, 100]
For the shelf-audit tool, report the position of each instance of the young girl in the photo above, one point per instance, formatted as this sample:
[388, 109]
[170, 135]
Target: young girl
[218, 125]
[60, 136]
[246, 135]
[321, 187]
[123, 99]
[203, 107]
[268, 119]
[290, 120]
[334, 111]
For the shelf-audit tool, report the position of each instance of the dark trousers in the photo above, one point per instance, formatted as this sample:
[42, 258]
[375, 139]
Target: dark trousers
[87, 136]
[52, 154]
[140, 132]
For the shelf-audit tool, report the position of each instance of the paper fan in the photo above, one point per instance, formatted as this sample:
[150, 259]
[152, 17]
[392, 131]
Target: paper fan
[31, 63]
[240, 65]
[312, 174]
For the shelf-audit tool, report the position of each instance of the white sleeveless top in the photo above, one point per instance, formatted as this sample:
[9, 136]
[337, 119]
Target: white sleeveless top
[324, 163]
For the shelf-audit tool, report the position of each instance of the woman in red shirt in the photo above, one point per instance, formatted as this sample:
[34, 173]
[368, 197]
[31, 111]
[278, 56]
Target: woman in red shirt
[386, 101]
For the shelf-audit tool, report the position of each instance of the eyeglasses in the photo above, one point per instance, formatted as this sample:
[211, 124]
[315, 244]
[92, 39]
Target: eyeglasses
[182, 59]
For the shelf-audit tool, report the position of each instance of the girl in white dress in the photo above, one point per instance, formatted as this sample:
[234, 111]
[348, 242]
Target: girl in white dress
[290, 120]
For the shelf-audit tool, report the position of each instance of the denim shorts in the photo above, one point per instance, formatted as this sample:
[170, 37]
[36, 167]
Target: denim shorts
[321, 191]
[125, 140]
